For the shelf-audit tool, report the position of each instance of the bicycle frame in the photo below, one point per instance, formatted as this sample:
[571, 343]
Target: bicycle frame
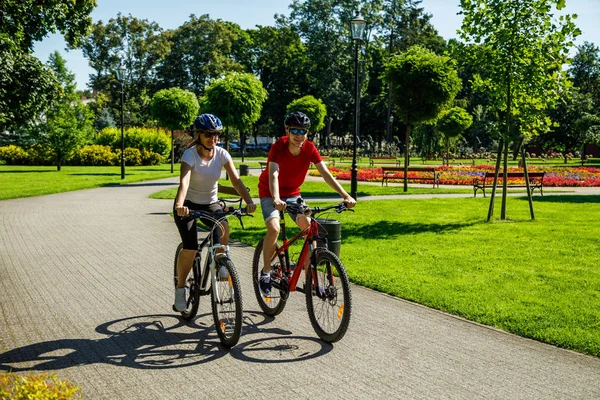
[309, 234]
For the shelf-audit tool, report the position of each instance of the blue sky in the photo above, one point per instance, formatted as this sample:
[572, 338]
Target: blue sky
[249, 13]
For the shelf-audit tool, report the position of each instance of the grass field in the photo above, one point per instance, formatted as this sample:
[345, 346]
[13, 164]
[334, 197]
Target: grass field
[538, 279]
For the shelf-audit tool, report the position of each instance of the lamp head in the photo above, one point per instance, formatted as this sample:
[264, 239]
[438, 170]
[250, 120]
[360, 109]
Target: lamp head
[357, 27]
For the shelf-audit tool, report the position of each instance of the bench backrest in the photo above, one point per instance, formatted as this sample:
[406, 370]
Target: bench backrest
[227, 190]
[410, 169]
[516, 174]
[383, 158]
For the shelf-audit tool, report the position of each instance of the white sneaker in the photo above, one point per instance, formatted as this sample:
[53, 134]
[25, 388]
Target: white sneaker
[180, 299]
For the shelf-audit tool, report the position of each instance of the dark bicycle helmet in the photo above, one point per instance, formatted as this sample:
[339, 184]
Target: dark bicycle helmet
[297, 118]
[208, 122]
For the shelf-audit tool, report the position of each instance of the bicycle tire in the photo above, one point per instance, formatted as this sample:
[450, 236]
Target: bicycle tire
[192, 292]
[329, 316]
[227, 309]
[272, 304]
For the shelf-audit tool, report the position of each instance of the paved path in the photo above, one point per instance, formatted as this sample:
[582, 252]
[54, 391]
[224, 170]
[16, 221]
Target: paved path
[85, 292]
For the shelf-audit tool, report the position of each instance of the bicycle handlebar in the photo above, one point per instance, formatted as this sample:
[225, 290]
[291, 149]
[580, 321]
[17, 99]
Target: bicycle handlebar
[219, 215]
[303, 208]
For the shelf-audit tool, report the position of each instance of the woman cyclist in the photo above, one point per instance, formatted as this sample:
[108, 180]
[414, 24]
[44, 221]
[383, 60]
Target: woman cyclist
[287, 166]
[201, 166]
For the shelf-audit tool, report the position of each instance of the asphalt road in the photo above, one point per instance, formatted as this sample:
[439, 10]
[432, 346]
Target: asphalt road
[86, 293]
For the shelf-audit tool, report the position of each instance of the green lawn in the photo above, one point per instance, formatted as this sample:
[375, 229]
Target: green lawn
[27, 181]
[538, 279]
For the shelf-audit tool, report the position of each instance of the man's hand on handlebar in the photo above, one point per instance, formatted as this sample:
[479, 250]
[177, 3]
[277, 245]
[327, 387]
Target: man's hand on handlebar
[350, 202]
[279, 204]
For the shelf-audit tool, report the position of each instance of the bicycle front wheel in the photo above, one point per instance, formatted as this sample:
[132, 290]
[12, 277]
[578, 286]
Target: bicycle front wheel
[227, 303]
[273, 303]
[192, 285]
[328, 297]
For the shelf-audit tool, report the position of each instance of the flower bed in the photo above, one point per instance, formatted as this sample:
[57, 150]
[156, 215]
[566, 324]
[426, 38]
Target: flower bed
[464, 175]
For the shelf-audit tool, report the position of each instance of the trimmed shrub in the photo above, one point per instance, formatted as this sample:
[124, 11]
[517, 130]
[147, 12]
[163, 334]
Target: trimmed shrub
[14, 155]
[42, 387]
[133, 156]
[151, 158]
[94, 155]
[41, 155]
[152, 139]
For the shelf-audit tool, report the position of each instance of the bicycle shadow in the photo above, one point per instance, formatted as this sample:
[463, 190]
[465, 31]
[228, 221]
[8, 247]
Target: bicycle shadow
[160, 341]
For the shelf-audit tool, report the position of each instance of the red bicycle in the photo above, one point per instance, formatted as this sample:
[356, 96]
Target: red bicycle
[326, 284]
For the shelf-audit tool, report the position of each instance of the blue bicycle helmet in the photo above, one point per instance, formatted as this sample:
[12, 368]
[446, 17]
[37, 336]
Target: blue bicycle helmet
[208, 122]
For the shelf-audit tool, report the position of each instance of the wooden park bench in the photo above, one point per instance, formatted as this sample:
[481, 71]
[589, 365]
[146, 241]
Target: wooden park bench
[536, 181]
[230, 190]
[263, 165]
[398, 173]
[384, 161]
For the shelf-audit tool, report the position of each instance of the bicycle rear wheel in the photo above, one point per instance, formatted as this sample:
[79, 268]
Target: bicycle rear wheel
[273, 303]
[227, 303]
[329, 311]
[192, 285]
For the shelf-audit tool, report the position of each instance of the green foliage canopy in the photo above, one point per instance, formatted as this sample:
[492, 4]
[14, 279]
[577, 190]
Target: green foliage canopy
[236, 99]
[313, 108]
[454, 122]
[423, 84]
[174, 108]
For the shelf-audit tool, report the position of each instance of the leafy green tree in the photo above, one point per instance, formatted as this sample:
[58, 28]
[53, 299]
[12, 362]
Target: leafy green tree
[280, 61]
[201, 50]
[577, 123]
[313, 108]
[452, 123]
[525, 50]
[27, 86]
[174, 109]
[141, 46]
[67, 123]
[585, 70]
[423, 84]
[237, 99]
[29, 21]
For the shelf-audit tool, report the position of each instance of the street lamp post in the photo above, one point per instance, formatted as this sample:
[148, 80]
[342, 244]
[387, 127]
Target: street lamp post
[121, 76]
[357, 27]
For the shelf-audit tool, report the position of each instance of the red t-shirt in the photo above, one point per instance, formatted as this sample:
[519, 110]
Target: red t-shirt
[292, 169]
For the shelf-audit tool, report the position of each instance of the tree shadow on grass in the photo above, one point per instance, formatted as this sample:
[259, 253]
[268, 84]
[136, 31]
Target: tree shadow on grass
[570, 198]
[385, 229]
[27, 171]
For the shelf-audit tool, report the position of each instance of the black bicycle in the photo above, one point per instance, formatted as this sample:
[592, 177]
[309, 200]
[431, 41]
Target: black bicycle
[223, 285]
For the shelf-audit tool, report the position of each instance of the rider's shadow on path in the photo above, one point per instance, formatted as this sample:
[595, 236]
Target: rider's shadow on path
[161, 342]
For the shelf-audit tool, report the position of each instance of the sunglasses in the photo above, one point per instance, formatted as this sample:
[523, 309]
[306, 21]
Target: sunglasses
[298, 131]
[210, 134]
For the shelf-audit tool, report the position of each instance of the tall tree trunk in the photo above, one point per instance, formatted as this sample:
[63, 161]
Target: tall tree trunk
[527, 183]
[496, 172]
[504, 182]
[407, 155]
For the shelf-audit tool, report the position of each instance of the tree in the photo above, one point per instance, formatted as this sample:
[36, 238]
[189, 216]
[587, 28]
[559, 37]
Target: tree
[526, 49]
[423, 84]
[237, 99]
[67, 123]
[313, 108]
[141, 46]
[26, 85]
[452, 123]
[585, 70]
[201, 50]
[174, 109]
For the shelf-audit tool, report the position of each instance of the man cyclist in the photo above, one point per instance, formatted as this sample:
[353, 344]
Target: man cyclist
[201, 166]
[287, 165]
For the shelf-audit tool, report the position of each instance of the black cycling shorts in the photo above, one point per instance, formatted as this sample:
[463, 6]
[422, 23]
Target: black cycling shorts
[187, 226]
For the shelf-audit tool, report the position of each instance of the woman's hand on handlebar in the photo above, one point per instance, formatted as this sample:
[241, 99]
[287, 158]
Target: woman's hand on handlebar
[349, 201]
[182, 211]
